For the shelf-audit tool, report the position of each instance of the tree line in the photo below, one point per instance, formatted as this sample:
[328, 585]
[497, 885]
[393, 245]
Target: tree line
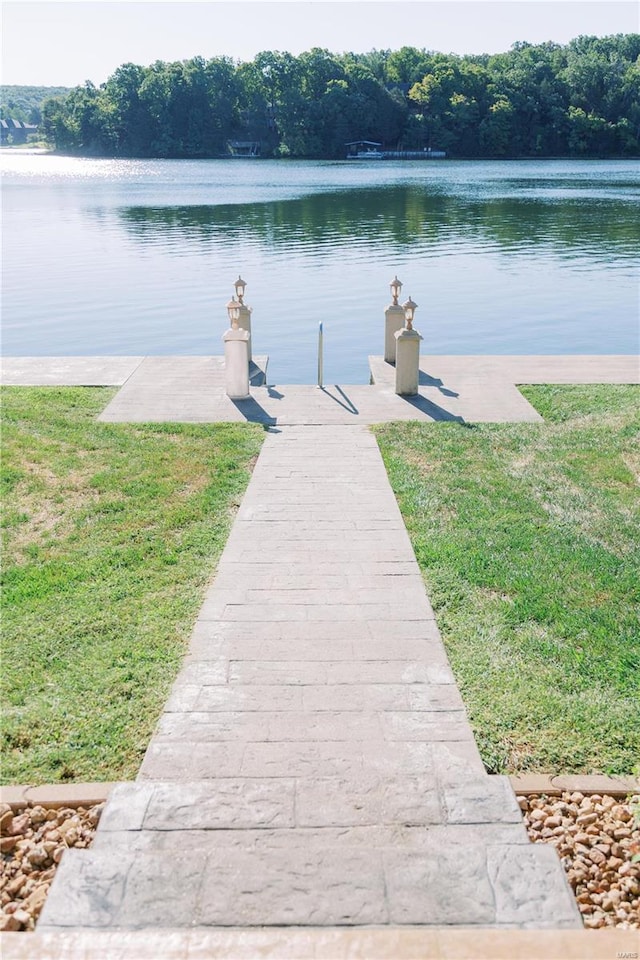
[25, 103]
[545, 100]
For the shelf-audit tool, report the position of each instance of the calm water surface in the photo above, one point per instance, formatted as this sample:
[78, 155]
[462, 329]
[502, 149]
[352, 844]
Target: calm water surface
[139, 257]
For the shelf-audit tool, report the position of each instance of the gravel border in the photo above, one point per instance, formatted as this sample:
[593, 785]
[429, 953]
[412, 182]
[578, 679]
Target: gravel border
[597, 837]
[32, 843]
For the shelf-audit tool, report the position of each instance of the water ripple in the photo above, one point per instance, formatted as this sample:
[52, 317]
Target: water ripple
[137, 257]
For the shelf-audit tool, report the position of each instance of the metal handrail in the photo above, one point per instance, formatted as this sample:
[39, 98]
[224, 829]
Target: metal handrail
[320, 355]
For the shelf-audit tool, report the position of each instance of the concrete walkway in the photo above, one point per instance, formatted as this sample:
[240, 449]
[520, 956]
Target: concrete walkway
[191, 389]
[314, 765]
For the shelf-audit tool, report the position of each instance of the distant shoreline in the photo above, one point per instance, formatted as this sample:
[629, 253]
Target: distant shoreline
[50, 152]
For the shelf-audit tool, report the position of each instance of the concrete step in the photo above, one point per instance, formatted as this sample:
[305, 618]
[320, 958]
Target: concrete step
[281, 803]
[302, 882]
[259, 852]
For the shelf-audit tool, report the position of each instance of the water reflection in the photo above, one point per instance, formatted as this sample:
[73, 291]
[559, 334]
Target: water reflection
[398, 217]
[132, 257]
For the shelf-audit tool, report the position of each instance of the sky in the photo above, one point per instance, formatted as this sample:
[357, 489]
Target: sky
[62, 43]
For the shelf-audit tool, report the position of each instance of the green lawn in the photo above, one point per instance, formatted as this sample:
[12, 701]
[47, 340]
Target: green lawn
[528, 537]
[111, 533]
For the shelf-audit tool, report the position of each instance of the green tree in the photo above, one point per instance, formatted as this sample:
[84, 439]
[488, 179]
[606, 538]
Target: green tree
[407, 65]
[496, 129]
[132, 121]
[535, 100]
[58, 127]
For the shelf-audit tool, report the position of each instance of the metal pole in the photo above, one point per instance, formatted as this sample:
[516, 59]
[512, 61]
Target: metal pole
[320, 352]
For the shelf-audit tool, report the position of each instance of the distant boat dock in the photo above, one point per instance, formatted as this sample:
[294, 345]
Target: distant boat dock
[371, 150]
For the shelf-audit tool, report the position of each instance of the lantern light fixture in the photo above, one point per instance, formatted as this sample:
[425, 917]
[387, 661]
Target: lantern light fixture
[233, 309]
[409, 308]
[396, 287]
[240, 285]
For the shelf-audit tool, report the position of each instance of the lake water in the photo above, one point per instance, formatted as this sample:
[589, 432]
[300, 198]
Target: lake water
[139, 257]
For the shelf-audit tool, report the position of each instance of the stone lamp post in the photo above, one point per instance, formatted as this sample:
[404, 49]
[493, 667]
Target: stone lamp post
[393, 321]
[244, 318]
[407, 354]
[236, 355]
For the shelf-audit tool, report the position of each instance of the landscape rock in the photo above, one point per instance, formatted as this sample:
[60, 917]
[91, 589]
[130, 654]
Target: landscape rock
[601, 870]
[32, 845]
[6, 817]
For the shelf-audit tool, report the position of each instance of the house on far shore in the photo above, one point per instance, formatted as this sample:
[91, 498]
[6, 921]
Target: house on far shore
[244, 148]
[15, 131]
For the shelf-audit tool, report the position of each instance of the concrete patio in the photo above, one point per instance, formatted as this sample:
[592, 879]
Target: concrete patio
[192, 389]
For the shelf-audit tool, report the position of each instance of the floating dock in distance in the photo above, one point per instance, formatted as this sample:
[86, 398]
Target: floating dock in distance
[372, 150]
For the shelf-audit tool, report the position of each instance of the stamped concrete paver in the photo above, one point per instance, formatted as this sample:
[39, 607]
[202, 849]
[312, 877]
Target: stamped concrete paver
[314, 764]
[67, 371]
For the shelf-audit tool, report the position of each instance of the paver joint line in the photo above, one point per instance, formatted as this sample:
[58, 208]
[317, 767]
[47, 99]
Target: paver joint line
[283, 789]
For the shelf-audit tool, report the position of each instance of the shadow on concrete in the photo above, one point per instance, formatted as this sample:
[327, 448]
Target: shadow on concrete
[274, 394]
[253, 412]
[347, 405]
[425, 380]
[257, 376]
[432, 410]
